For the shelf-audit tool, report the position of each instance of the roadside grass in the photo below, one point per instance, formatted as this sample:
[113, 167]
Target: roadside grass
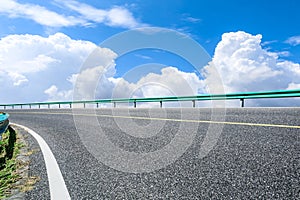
[9, 149]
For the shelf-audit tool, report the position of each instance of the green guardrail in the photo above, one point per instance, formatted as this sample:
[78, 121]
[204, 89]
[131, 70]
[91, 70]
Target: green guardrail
[201, 97]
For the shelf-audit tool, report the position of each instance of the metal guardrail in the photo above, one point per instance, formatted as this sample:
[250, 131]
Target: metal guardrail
[201, 97]
[4, 122]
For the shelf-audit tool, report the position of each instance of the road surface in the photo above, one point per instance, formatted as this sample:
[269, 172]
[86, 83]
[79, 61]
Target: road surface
[255, 155]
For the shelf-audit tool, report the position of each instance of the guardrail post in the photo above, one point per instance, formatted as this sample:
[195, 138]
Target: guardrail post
[59, 105]
[4, 107]
[134, 104]
[39, 106]
[194, 103]
[160, 104]
[30, 106]
[83, 105]
[13, 107]
[70, 105]
[21, 106]
[242, 102]
[48, 106]
[97, 105]
[115, 104]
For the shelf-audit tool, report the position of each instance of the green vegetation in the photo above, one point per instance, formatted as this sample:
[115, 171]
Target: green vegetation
[9, 149]
[12, 168]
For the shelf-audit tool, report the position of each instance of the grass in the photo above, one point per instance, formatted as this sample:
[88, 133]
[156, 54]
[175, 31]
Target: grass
[9, 149]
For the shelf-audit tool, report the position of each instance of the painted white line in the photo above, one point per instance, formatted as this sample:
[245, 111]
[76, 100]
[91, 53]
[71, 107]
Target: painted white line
[57, 186]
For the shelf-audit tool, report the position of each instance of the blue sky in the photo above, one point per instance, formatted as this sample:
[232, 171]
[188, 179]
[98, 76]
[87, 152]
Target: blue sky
[205, 21]
[276, 22]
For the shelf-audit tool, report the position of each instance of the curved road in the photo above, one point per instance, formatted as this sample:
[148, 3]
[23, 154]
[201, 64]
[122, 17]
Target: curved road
[255, 156]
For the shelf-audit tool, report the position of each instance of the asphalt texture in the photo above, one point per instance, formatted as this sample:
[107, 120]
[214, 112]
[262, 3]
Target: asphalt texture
[244, 161]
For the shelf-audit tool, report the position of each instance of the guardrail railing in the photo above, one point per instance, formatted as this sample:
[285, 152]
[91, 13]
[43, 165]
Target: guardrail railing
[201, 97]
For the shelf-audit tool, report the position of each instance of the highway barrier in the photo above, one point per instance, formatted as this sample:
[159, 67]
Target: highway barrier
[242, 96]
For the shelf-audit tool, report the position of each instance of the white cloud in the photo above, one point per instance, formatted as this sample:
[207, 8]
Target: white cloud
[293, 86]
[143, 56]
[284, 53]
[171, 82]
[97, 69]
[115, 17]
[88, 79]
[121, 17]
[54, 94]
[18, 79]
[51, 91]
[188, 18]
[35, 68]
[192, 19]
[268, 42]
[30, 64]
[87, 11]
[245, 66]
[33, 53]
[295, 40]
[99, 83]
[37, 13]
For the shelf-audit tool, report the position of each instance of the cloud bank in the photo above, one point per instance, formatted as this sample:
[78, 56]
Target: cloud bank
[29, 64]
[35, 68]
[245, 66]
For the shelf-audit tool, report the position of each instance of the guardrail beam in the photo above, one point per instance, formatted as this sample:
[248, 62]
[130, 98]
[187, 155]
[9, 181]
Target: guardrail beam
[201, 97]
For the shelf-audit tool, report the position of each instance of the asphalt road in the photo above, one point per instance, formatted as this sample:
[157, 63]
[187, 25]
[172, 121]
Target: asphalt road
[247, 157]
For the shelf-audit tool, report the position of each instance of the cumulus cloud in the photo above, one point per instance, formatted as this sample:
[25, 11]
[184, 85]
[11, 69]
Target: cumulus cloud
[170, 82]
[35, 68]
[239, 58]
[54, 94]
[245, 66]
[30, 64]
[100, 67]
[99, 82]
[84, 14]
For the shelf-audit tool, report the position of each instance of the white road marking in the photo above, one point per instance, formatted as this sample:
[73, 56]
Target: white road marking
[57, 186]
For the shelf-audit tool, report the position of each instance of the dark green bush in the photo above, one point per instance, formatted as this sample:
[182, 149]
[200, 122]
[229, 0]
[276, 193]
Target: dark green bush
[7, 145]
